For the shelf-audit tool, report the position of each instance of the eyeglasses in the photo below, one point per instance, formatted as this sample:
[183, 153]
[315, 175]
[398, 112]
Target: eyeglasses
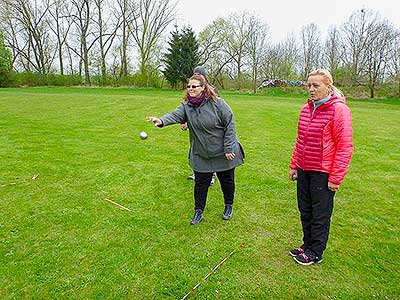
[193, 86]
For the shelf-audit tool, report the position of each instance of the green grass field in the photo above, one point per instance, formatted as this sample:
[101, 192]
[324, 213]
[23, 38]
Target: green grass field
[60, 238]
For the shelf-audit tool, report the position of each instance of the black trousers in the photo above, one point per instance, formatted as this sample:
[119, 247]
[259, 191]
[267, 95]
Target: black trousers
[315, 203]
[202, 183]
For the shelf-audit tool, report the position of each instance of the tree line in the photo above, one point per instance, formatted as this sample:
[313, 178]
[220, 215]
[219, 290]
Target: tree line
[116, 40]
[86, 37]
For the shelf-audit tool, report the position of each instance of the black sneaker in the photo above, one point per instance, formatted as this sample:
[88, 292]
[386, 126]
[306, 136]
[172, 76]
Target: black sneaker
[307, 258]
[296, 251]
[228, 212]
[197, 217]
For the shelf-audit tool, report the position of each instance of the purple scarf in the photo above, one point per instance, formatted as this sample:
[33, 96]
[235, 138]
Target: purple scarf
[196, 101]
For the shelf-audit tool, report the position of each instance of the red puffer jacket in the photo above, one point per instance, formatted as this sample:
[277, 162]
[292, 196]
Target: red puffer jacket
[324, 139]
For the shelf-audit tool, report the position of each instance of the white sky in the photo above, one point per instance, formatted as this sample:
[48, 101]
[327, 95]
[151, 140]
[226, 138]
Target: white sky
[284, 16]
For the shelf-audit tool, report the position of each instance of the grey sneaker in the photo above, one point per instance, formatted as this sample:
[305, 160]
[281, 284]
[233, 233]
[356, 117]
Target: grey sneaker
[197, 217]
[228, 212]
[191, 177]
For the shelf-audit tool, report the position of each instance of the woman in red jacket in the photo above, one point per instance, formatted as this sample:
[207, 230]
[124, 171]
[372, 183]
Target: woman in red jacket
[320, 160]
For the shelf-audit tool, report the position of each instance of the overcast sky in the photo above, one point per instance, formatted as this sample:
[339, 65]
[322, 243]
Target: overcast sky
[284, 16]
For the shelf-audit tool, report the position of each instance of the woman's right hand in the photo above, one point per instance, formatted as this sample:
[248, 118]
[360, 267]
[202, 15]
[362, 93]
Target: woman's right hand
[230, 156]
[292, 174]
[155, 120]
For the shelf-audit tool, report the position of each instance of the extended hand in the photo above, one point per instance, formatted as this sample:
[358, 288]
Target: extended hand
[155, 120]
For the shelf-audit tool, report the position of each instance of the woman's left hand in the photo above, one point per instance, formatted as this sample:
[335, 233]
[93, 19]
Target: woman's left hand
[333, 187]
[230, 156]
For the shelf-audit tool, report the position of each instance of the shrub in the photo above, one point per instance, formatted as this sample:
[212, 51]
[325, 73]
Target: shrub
[36, 79]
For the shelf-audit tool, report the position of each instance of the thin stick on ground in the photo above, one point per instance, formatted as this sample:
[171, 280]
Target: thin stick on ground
[212, 271]
[117, 204]
[8, 184]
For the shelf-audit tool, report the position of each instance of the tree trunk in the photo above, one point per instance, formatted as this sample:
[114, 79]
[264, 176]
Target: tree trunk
[124, 60]
[85, 60]
[255, 80]
[103, 66]
[372, 90]
[61, 59]
[398, 85]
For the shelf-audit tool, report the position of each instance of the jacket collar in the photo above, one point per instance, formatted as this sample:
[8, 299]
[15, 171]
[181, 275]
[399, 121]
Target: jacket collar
[334, 99]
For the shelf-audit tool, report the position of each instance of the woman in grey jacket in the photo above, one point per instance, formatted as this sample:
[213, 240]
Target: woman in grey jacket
[214, 146]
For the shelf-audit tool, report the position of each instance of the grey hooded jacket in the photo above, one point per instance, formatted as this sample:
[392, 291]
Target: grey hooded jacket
[212, 134]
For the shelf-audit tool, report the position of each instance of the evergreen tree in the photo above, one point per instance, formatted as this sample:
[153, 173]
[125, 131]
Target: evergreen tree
[181, 57]
[172, 59]
[5, 62]
[189, 53]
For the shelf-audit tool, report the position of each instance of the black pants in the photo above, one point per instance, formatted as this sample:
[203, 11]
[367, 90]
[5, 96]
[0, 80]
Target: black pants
[315, 202]
[202, 183]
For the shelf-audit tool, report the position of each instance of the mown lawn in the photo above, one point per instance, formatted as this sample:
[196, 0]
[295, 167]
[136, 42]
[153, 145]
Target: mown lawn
[60, 238]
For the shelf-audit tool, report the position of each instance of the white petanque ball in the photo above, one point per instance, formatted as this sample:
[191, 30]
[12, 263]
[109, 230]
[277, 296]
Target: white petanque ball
[143, 135]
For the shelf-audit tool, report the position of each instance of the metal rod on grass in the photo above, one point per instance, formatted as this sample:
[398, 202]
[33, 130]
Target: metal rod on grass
[212, 271]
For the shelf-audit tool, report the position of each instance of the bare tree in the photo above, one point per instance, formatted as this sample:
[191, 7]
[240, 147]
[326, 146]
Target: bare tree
[355, 32]
[257, 47]
[236, 39]
[210, 40]
[125, 13]
[210, 51]
[60, 24]
[105, 35]
[9, 28]
[81, 17]
[380, 37]
[225, 46]
[311, 47]
[333, 51]
[394, 60]
[153, 17]
[272, 62]
[71, 57]
[291, 56]
[32, 41]
[281, 60]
